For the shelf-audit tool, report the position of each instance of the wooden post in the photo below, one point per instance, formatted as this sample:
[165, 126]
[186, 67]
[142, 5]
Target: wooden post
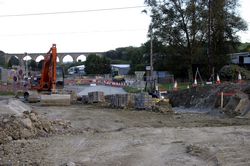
[221, 99]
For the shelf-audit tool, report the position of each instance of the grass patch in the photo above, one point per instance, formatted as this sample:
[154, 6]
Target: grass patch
[131, 89]
[6, 93]
[170, 86]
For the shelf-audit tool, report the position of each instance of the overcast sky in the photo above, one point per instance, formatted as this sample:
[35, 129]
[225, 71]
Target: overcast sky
[77, 32]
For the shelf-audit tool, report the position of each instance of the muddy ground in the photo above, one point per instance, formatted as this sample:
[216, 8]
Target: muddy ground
[100, 136]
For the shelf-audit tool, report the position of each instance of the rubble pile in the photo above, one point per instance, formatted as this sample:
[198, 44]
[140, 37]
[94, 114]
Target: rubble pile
[230, 72]
[28, 125]
[13, 106]
[235, 99]
[162, 106]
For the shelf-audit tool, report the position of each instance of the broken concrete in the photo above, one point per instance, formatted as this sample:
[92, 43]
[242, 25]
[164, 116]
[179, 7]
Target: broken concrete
[28, 125]
[236, 98]
[13, 107]
[56, 100]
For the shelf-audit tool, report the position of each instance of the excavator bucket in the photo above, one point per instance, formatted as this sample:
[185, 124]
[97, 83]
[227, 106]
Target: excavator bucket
[32, 96]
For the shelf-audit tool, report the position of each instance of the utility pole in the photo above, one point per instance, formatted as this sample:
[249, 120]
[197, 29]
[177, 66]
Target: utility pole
[152, 79]
[150, 82]
[210, 61]
[151, 52]
[26, 64]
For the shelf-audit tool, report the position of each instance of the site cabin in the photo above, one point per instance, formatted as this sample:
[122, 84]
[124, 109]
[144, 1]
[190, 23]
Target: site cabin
[242, 58]
[77, 70]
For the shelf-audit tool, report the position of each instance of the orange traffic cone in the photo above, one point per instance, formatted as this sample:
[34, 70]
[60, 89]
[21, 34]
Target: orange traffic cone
[175, 85]
[195, 83]
[217, 79]
[239, 78]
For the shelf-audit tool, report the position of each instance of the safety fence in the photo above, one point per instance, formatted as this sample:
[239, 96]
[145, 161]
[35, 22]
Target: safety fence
[100, 81]
[13, 87]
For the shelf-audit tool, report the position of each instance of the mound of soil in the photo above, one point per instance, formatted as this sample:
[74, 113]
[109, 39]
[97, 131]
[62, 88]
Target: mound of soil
[235, 101]
[28, 125]
[230, 72]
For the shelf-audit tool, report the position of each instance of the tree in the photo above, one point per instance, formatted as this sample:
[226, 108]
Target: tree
[2, 58]
[97, 65]
[40, 65]
[123, 53]
[32, 64]
[13, 61]
[225, 23]
[183, 25]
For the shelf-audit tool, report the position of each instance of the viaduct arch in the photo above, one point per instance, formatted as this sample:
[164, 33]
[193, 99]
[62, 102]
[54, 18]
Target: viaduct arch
[60, 56]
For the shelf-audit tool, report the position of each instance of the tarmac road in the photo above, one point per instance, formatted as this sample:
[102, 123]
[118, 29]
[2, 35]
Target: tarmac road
[108, 90]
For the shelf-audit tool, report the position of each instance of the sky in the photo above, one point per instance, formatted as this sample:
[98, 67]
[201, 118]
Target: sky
[78, 32]
[75, 32]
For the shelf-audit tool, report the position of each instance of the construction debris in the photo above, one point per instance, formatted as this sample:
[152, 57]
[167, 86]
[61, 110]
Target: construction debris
[13, 107]
[143, 101]
[162, 106]
[29, 125]
[95, 97]
[118, 100]
[56, 100]
[235, 98]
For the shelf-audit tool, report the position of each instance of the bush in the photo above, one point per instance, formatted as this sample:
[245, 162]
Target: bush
[230, 72]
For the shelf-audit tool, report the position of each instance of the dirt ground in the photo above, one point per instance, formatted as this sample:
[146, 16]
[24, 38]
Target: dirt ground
[123, 137]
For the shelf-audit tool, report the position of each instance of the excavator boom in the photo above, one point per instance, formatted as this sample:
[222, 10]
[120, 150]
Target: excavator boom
[48, 75]
[47, 83]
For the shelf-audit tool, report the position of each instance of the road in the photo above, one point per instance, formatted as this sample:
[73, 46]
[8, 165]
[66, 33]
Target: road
[108, 90]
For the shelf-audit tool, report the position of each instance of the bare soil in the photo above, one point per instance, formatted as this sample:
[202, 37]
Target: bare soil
[101, 136]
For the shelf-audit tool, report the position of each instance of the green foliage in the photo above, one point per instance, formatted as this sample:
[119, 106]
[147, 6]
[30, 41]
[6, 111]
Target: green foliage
[13, 61]
[170, 86]
[7, 93]
[131, 89]
[117, 61]
[244, 47]
[32, 65]
[97, 65]
[2, 59]
[40, 65]
[124, 53]
[230, 72]
[182, 27]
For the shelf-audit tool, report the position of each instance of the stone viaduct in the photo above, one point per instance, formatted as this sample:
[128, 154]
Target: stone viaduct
[61, 56]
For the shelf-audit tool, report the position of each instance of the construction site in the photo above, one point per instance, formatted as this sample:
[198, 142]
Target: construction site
[124, 83]
[96, 122]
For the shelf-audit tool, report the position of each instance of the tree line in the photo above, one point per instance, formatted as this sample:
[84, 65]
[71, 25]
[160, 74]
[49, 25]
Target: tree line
[186, 34]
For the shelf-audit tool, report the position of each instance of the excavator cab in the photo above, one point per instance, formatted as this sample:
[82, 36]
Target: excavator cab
[59, 78]
[35, 81]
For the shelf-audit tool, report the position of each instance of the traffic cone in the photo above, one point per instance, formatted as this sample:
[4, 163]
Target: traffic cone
[175, 85]
[195, 82]
[239, 78]
[217, 79]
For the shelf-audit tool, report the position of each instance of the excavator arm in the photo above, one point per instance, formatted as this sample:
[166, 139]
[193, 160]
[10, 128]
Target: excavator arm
[48, 74]
[48, 82]
[48, 77]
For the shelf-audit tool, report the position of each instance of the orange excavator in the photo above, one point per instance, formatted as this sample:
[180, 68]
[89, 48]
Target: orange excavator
[49, 70]
[51, 78]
